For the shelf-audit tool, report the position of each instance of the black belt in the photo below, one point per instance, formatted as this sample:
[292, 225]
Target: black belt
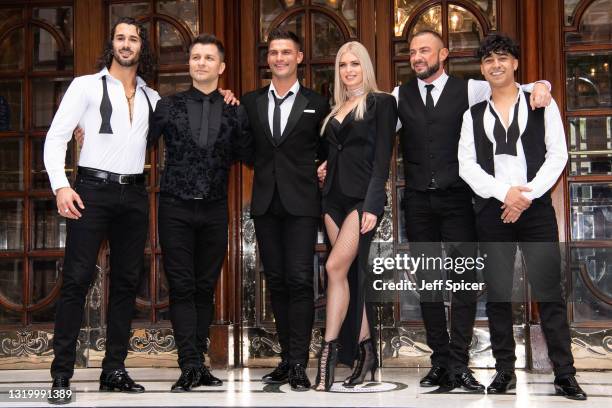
[111, 177]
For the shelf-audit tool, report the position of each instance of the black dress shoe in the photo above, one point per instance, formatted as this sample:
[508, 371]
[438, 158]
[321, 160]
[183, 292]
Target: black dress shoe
[60, 391]
[502, 382]
[280, 375]
[569, 388]
[189, 378]
[298, 380]
[119, 380]
[434, 377]
[467, 381]
[207, 379]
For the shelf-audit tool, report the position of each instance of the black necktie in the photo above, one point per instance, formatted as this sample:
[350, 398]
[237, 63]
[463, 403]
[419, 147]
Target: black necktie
[203, 139]
[106, 110]
[505, 142]
[429, 104]
[276, 118]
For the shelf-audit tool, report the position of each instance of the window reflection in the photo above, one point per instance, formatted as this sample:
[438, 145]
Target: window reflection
[11, 164]
[591, 211]
[464, 30]
[590, 145]
[11, 105]
[595, 25]
[45, 273]
[592, 283]
[11, 51]
[589, 81]
[11, 225]
[49, 228]
[47, 93]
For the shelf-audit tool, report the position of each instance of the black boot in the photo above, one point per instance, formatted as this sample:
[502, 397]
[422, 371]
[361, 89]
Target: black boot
[327, 365]
[280, 375]
[207, 379]
[366, 362]
[60, 391]
[189, 378]
[569, 388]
[119, 380]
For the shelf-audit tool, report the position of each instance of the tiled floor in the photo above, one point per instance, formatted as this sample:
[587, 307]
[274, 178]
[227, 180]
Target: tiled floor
[243, 387]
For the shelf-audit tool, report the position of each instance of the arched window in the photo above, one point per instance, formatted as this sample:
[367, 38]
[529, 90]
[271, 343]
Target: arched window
[588, 114]
[322, 25]
[36, 67]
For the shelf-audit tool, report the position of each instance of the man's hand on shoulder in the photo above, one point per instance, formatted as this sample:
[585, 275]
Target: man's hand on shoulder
[229, 97]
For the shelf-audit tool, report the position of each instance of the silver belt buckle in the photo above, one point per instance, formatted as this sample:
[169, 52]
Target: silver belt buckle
[198, 198]
[122, 177]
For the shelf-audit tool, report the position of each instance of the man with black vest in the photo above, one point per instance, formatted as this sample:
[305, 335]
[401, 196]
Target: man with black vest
[285, 118]
[437, 203]
[511, 157]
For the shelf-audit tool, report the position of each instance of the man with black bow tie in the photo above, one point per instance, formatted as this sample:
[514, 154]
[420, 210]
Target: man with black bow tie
[511, 156]
[109, 199]
[285, 118]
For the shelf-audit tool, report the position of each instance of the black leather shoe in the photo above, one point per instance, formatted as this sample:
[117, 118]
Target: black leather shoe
[207, 379]
[569, 388]
[280, 375]
[434, 377]
[59, 391]
[119, 380]
[189, 378]
[467, 381]
[502, 382]
[298, 380]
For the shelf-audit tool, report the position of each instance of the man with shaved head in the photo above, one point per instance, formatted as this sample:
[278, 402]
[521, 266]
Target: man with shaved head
[437, 202]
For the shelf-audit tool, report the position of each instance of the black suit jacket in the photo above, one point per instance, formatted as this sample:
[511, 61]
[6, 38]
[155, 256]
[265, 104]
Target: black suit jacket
[288, 164]
[194, 171]
[360, 158]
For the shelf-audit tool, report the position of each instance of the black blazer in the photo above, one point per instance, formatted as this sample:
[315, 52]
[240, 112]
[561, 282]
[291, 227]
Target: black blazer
[289, 163]
[361, 161]
[190, 170]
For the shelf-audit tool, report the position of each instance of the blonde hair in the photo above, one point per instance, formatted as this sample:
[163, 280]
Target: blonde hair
[369, 81]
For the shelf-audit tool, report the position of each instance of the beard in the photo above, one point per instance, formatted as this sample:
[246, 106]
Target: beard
[125, 63]
[431, 69]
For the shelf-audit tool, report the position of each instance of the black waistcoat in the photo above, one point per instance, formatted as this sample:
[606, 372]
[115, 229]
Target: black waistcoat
[429, 143]
[534, 146]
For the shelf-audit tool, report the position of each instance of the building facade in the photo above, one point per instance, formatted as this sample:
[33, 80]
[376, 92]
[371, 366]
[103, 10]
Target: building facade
[44, 44]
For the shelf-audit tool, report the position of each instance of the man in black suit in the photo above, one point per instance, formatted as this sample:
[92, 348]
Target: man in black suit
[285, 119]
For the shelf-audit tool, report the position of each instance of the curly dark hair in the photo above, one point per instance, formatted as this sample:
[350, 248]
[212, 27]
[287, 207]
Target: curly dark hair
[146, 62]
[499, 44]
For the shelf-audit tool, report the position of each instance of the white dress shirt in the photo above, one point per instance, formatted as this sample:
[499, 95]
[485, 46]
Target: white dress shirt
[512, 170]
[123, 151]
[478, 91]
[285, 107]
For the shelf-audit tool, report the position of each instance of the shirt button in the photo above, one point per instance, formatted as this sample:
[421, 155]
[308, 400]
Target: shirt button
[339, 147]
[431, 156]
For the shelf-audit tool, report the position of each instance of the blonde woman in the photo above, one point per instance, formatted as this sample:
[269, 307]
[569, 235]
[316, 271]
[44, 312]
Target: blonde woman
[359, 133]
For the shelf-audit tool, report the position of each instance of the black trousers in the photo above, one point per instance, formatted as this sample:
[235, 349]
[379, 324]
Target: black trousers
[537, 235]
[287, 246]
[193, 238]
[444, 216]
[119, 212]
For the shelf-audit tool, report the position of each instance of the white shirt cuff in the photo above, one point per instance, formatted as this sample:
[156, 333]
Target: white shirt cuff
[500, 190]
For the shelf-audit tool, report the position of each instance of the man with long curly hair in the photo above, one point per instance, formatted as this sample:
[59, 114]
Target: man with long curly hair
[109, 199]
